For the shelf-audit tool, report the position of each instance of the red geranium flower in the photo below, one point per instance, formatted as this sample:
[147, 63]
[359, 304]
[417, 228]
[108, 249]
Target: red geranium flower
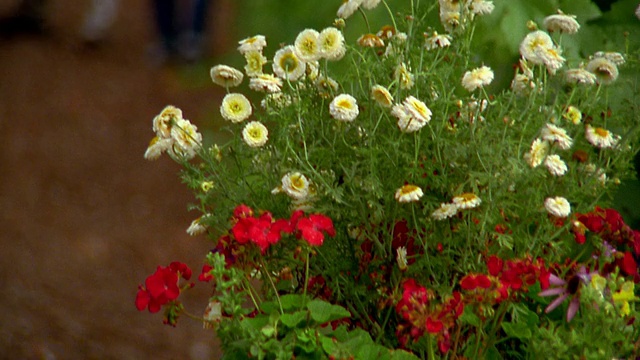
[161, 287]
[205, 275]
[311, 228]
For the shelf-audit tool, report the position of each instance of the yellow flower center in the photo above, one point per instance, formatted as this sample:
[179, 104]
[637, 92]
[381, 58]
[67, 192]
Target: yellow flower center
[289, 62]
[602, 132]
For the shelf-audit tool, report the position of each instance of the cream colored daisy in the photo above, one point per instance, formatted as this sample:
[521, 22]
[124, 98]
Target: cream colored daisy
[552, 133]
[445, 211]
[600, 138]
[555, 165]
[187, 139]
[407, 123]
[381, 95]
[255, 62]
[255, 134]
[401, 258]
[408, 193]
[326, 86]
[638, 12]
[163, 122]
[332, 45]
[561, 23]
[417, 109]
[477, 78]
[295, 185]
[347, 8]
[481, 7]
[287, 65]
[558, 206]
[344, 107]
[436, 40]
[235, 108]
[386, 32]
[157, 146]
[370, 4]
[306, 45]
[537, 153]
[226, 76]
[466, 201]
[266, 83]
[196, 227]
[522, 84]
[614, 57]
[531, 45]
[254, 43]
[370, 40]
[605, 71]
[403, 76]
[551, 58]
[573, 114]
[579, 76]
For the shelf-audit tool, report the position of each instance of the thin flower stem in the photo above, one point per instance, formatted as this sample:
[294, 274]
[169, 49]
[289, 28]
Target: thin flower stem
[264, 270]
[393, 18]
[306, 276]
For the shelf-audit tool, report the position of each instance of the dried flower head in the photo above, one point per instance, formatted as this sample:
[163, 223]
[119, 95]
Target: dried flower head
[226, 76]
[235, 108]
[370, 40]
[605, 71]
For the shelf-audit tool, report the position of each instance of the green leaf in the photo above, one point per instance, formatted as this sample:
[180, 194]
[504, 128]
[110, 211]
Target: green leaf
[517, 330]
[292, 301]
[469, 317]
[292, 320]
[402, 355]
[322, 311]
[493, 354]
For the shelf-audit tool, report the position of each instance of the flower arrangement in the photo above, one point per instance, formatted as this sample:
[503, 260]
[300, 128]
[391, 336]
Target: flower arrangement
[377, 200]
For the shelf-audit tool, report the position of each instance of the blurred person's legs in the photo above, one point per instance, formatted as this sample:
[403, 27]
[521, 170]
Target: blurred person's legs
[194, 30]
[29, 17]
[165, 17]
[99, 20]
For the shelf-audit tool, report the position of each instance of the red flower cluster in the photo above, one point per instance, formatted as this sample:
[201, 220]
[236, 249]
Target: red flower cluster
[609, 225]
[161, 287]
[265, 231]
[420, 316]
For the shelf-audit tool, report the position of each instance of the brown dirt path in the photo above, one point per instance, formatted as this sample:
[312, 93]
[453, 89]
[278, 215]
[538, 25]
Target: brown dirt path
[85, 218]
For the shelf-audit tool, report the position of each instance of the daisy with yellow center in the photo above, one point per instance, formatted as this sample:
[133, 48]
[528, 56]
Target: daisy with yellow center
[255, 61]
[196, 227]
[295, 185]
[579, 76]
[156, 147]
[445, 211]
[287, 65]
[404, 76]
[347, 8]
[600, 138]
[306, 45]
[235, 108]
[326, 86]
[162, 122]
[386, 32]
[370, 4]
[381, 95]
[466, 201]
[605, 71]
[417, 109]
[533, 43]
[481, 7]
[254, 43]
[436, 40]
[557, 206]
[537, 153]
[555, 165]
[266, 83]
[551, 58]
[332, 45]
[552, 133]
[561, 23]
[477, 78]
[187, 139]
[255, 134]
[573, 114]
[408, 193]
[226, 76]
[344, 108]
[370, 40]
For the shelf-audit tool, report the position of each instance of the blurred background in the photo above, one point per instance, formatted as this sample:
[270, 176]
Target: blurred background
[85, 218]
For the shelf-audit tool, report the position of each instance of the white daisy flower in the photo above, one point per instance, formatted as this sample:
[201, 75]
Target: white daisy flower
[306, 45]
[370, 40]
[156, 147]
[404, 76]
[381, 95]
[287, 65]
[561, 23]
[551, 58]
[605, 70]
[226, 76]
[401, 258]
[348, 8]
[344, 108]
[254, 43]
[196, 227]
[445, 211]
[370, 4]
[235, 108]
[532, 42]
[573, 114]
[466, 201]
[579, 76]
[436, 40]
[255, 134]
[266, 83]
[552, 133]
[539, 150]
[408, 193]
[187, 139]
[557, 206]
[255, 62]
[477, 78]
[614, 57]
[332, 45]
[163, 122]
[481, 7]
[555, 165]
[295, 185]
[417, 109]
[600, 138]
